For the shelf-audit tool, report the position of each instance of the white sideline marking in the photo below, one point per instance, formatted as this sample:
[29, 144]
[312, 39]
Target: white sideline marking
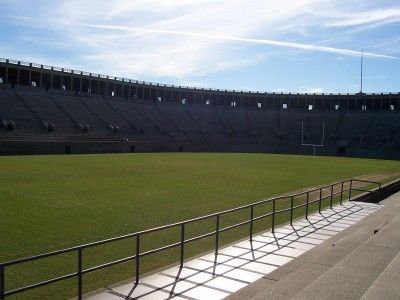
[243, 263]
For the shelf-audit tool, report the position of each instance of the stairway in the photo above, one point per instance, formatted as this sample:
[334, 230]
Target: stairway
[27, 107]
[354, 264]
[126, 120]
[386, 286]
[168, 119]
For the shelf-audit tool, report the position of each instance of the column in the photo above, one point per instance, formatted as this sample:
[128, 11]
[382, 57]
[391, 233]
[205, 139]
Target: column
[90, 82]
[18, 76]
[136, 90]
[151, 99]
[41, 78]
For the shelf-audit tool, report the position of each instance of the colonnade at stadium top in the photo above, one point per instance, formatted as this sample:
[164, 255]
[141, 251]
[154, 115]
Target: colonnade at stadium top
[49, 77]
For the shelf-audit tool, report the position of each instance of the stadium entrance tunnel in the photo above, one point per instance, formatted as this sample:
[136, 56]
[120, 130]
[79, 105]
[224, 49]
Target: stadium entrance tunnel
[68, 149]
[341, 150]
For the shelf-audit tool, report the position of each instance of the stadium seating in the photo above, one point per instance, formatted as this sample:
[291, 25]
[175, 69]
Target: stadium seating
[33, 114]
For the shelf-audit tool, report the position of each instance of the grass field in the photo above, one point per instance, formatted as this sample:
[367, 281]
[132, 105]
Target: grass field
[52, 202]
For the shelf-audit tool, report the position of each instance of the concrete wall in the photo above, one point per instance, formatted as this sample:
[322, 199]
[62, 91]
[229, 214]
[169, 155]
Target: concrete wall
[380, 194]
[27, 148]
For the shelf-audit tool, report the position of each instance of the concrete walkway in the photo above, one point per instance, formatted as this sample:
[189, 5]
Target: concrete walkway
[239, 265]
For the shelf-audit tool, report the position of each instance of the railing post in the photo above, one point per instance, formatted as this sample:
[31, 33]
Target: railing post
[320, 200]
[308, 199]
[273, 215]
[216, 237]
[291, 210]
[341, 193]
[80, 285]
[2, 282]
[330, 204]
[182, 243]
[351, 186]
[137, 275]
[251, 222]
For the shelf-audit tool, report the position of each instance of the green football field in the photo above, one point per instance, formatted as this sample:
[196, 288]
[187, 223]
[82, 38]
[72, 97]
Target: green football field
[53, 202]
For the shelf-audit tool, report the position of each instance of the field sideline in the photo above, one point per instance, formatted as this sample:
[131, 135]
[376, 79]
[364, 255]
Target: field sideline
[52, 202]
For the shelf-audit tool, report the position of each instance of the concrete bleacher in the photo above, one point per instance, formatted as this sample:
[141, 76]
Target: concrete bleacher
[45, 108]
[386, 125]
[353, 125]
[128, 112]
[181, 119]
[79, 111]
[163, 125]
[263, 126]
[199, 127]
[235, 124]
[12, 108]
[211, 124]
[354, 264]
[107, 115]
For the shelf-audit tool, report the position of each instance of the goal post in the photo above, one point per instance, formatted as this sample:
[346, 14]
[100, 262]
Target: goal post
[313, 145]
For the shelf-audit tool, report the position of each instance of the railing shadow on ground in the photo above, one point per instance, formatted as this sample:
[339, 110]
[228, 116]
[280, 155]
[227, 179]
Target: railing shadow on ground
[170, 287]
[273, 213]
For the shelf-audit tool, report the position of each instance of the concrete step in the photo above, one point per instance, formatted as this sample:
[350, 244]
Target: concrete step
[355, 274]
[300, 273]
[290, 279]
[387, 285]
[350, 278]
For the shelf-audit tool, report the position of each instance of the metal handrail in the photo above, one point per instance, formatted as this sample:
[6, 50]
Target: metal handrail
[218, 229]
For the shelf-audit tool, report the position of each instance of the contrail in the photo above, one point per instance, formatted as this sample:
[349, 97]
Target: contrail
[309, 47]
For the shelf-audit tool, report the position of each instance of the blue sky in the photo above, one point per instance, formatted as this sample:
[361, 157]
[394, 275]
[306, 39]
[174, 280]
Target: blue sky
[281, 46]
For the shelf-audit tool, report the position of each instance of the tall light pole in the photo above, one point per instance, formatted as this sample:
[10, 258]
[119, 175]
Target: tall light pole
[361, 77]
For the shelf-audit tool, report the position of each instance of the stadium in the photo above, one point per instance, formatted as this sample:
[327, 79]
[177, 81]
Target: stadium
[70, 111]
[114, 188]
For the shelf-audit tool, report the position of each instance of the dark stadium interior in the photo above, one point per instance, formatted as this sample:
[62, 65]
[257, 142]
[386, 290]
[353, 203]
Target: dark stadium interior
[46, 109]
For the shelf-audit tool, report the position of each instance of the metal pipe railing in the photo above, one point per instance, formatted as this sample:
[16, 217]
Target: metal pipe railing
[272, 211]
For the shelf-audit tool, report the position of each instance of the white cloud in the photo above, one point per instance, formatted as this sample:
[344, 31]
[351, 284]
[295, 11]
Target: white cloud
[301, 46]
[310, 90]
[184, 39]
[377, 77]
[379, 16]
[190, 84]
[138, 53]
